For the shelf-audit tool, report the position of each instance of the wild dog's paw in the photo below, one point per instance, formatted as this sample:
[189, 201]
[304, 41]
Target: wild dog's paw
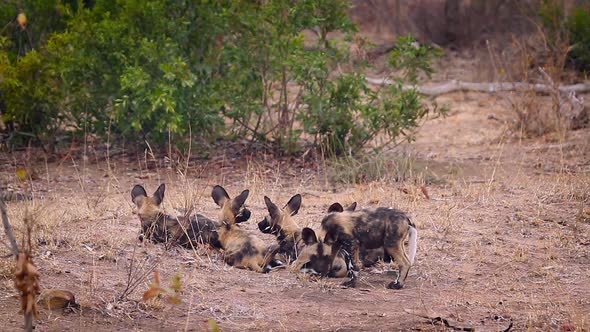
[395, 285]
[350, 283]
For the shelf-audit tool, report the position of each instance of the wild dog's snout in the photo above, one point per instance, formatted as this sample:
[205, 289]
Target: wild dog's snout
[243, 216]
[264, 226]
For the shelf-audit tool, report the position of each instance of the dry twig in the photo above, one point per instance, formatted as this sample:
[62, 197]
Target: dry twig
[26, 276]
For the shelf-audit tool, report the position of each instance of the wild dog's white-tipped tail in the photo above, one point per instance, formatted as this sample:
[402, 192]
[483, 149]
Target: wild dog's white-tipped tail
[413, 244]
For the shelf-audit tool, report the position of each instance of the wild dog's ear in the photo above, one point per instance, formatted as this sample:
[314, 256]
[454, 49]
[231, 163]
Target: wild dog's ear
[330, 238]
[239, 201]
[336, 207]
[308, 236]
[352, 207]
[294, 204]
[219, 195]
[159, 194]
[137, 191]
[273, 209]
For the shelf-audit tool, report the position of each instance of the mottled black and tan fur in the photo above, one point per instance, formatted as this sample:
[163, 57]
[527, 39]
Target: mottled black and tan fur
[159, 227]
[280, 223]
[315, 256]
[373, 228]
[241, 249]
[369, 257]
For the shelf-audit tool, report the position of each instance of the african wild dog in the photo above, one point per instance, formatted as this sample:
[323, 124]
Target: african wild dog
[160, 227]
[317, 257]
[371, 229]
[293, 241]
[369, 257]
[242, 250]
[279, 223]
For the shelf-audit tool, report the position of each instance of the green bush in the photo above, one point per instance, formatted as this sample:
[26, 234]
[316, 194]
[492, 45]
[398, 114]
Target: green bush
[151, 69]
[568, 30]
[579, 27]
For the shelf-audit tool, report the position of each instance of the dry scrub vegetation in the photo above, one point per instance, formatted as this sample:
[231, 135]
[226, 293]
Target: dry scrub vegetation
[503, 213]
[504, 238]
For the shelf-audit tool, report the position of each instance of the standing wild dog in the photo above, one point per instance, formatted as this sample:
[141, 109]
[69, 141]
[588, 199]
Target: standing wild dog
[159, 227]
[242, 250]
[371, 229]
[369, 257]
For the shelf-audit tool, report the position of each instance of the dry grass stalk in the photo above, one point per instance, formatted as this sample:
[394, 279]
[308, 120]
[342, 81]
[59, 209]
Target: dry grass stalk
[26, 276]
[136, 274]
[26, 281]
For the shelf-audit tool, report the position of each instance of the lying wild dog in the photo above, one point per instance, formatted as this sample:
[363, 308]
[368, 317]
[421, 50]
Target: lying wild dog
[369, 257]
[242, 250]
[371, 229]
[162, 228]
[279, 223]
[294, 242]
[317, 257]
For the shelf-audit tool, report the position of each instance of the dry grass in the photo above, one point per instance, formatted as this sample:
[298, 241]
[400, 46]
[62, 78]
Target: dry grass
[516, 238]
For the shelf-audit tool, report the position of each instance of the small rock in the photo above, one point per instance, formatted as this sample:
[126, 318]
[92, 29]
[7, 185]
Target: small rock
[53, 299]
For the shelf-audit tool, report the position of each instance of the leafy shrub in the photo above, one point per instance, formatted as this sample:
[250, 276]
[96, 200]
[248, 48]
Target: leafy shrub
[579, 27]
[159, 68]
[569, 30]
[141, 67]
[32, 96]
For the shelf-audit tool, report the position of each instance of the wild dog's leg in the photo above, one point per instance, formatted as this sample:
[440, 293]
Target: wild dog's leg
[268, 260]
[353, 270]
[397, 252]
[252, 264]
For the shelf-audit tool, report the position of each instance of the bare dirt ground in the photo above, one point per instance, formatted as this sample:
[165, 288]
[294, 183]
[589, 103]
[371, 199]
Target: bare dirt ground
[504, 237]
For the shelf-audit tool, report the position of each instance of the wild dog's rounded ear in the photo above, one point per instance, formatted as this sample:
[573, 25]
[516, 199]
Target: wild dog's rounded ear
[294, 204]
[352, 207]
[273, 209]
[308, 236]
[219, 195]
[336, 207]
[330, 238]
[137, 191]
[159, 194]
[239, 201]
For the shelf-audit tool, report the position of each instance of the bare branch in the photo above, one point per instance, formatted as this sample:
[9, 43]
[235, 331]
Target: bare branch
[8, 229]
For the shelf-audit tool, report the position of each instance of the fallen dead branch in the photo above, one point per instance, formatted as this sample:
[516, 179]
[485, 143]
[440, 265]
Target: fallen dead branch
[454, 86]
[8, 230]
